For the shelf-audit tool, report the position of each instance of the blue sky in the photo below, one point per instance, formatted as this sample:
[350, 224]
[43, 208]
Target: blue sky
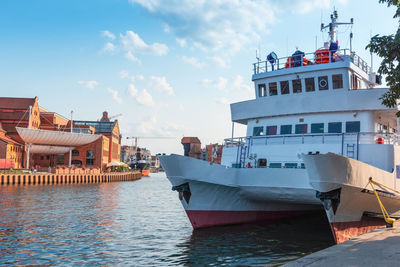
[170, 67]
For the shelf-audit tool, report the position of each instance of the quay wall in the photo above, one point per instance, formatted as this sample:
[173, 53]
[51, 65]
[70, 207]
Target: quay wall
[49, 178]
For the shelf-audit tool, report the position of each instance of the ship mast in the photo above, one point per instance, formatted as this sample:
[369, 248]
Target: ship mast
[333, 26]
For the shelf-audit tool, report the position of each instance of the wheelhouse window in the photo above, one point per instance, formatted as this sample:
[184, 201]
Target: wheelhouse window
[262, 163]
[323, 83]
[262, 90]
[296, 86]
[352, 126]
[337, 81]
[317, 127]
[271, 130]
[284, 87]
[310, 84]
[273, 88]
[89, 157]
[355, 81]
[286, 129]
[258, 131]
[301, 128]
[334, 127]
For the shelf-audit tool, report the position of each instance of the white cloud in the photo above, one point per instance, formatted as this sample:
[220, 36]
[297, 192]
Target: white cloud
[220, 62]
[222, 100]
[132, 91]
[124, 74]
[181, 42]
[145, 98]
[115, 95]
[109, 47]
[239, 85]
[88, 84]
[193, 61]
[108, 34]
[306, 6]
[220, 83]
[129, 55]
[133, 44]
[161, 84]
[222, 24]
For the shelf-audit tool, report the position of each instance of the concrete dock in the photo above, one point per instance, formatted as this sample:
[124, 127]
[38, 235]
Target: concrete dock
[380, 247]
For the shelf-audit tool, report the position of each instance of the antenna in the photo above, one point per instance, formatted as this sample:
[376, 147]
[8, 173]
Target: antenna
[333, 26]
[372, 66]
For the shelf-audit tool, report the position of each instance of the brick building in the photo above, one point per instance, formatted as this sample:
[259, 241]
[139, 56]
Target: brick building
[192, 148]
[213, 153]
[11, 152]
[14, 112]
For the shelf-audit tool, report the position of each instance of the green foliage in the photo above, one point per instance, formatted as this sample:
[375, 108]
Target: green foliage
[388, 48]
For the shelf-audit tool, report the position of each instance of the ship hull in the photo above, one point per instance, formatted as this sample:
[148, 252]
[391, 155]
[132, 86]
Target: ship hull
[216, 195]
[350, 203]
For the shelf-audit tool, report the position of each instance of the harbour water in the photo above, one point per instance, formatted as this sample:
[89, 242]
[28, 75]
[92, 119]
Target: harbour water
[139, 223]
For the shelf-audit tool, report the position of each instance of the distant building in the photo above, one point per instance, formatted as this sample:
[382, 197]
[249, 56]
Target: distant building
[128, 153]
[191, 147]
[213, 153]
[11, 152]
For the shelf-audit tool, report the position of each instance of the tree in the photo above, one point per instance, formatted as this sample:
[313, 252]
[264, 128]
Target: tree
[388, 48]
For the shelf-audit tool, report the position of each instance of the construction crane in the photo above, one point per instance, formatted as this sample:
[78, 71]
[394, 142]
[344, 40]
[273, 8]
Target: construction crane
[148, 137]
[115, 116]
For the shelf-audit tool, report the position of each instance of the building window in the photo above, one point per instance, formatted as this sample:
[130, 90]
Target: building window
[337, 81]
[317, 127]
[301, 128]
[284, 87]
[75, 153]
[48, 157]
[286, 129]
[41, 157]
[323, 83]
[352, 126]
[262, 163]
[273, 88]
[89, 157]
[334, 127]
[296, 86]
[262, 90]
[258, 131]
[310, 85]
[271, 130]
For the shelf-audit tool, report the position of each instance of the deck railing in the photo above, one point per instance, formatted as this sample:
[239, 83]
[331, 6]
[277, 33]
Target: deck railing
[348, 142]
[312, 59]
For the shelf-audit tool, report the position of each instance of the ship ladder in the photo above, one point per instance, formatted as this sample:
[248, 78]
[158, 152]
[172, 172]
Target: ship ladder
[389, 221]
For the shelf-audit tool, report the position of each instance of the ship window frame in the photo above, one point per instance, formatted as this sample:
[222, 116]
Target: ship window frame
[274, 129]
[337, 83]
[297, 127]
[316, 127]
[275, 165]
[285, 90]
[262, 90]
[296, 85]
[332, 125]
[273, 88]
[262, 163]
[349, 125]
[288, 126]
[258, 133]
[308, 83]
[290, 165]
[322, 88]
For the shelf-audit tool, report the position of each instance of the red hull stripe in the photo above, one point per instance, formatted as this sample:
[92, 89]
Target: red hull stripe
[207, 218]
[343, 231]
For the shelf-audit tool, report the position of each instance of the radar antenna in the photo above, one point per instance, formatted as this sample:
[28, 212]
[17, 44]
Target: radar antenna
[333, 26]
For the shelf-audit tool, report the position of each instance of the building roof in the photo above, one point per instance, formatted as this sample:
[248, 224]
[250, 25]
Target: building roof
[16, 102]
[100, 126]
[190, 140]
[8, 140]
[55, 138]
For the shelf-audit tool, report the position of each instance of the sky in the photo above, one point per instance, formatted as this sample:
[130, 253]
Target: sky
[170, 67]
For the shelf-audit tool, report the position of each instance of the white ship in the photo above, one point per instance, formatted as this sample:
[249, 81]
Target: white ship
[315, 128]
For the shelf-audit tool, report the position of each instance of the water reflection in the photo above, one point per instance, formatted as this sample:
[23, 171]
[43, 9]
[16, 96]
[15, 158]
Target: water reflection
[137, 223]
[252, 245]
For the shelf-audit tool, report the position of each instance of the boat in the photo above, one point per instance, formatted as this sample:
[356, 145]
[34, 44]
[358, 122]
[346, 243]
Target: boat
[141, 162]
[315, 116]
